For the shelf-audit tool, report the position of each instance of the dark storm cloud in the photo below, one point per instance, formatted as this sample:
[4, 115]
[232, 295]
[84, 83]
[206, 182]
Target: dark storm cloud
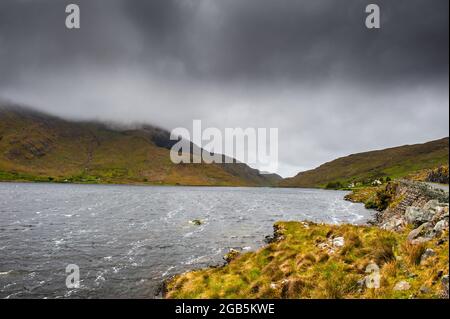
[310, 68]
[250, 39]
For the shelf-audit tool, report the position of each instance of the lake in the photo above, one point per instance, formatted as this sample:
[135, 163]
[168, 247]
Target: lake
[127, 239]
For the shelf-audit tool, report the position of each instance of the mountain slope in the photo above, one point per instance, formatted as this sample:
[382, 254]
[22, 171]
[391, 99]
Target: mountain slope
[393, 162]
[39, 147]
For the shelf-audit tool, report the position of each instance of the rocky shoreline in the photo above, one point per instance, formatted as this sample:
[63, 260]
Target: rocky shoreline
[407, 244]
[421, 207]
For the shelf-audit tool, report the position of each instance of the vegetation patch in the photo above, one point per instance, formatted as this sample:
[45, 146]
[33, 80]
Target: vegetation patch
[375, 197]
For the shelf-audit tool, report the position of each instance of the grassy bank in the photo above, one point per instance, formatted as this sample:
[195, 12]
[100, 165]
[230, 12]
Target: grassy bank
[102, 180]
[304, 263]
[373, 197]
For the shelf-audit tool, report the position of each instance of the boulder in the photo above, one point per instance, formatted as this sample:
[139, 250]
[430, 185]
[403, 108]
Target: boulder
[441, 213]
[440, 226]
[269, 239]
[373, 279]
[427, 254]
[394, 224]
[338, 242]
[232, 254]
[402, 285]
[196, 222]
[332, 244]
[431, 205]
[418, 231]
[418, 216]
[424, 290]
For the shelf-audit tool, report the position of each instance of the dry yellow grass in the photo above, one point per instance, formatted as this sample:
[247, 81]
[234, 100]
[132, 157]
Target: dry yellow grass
[296, 267]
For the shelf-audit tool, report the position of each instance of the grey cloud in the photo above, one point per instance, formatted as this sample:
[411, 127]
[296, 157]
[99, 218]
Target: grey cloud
[235, 39]
[310, 68]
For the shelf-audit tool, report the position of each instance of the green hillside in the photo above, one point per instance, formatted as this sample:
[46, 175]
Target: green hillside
[364, 167]
[39, 147]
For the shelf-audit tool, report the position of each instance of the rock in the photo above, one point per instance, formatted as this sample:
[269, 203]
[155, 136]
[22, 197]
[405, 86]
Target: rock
[424, 290]
[440, 226]
[196, 222]
[232, 254]
[418, 216]
[444, 283]
[361, 283]
[393, 224]
[427, 254]
[441, 213]
[431, 205]
[420, 240]
[269, 239]
[441, 217]
[332, 244]
[372, 280]
[325, 246]
[418, 231]
[338, 242]
[402, 285]
[277, 235]
[305, 224]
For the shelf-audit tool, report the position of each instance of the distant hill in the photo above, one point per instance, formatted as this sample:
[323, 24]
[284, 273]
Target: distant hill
[39, 147]
[392, 162]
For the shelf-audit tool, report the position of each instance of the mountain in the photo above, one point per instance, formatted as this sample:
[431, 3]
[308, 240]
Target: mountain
[362, 167]
[39, 147]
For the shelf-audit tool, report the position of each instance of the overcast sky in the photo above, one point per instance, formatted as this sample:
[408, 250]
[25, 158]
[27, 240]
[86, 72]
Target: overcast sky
[310, 68]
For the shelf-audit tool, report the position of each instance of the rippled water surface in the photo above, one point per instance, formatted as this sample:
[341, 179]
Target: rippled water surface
[127, 239]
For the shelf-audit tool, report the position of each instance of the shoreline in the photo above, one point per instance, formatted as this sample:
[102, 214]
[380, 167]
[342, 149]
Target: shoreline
[423, 255]
[164, 185]
[137, 184]
[268, 239]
